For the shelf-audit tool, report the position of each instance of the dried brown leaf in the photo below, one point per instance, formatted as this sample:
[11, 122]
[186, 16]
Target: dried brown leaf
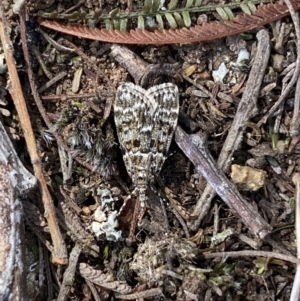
[104, 280]
[208, 31]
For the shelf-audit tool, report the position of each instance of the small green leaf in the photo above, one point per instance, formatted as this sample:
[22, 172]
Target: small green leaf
[97, 13]
[198, 3]
[274, 138]
[91, 23]
[246, 36]
[222, 13]
[171, 20]
[77, 16]
[189, 3]
[123, 24]
[116, 24]
[292, 203]
[261, 264]
[252, 7]
[141, 22]
[186, 19]
[178, 19]
[160, 22]
[47, 15]
[172, 4]
[114, 12]
[106, 251]
[108, 24]
[148, 6]
[155, 6]
[245, 8]
[229, 13]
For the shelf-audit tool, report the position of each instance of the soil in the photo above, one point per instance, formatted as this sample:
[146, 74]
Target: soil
[119, 253]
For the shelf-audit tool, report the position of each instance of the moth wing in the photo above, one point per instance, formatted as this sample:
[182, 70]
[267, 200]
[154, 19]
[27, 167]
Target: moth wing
[134, 127]
[164, 111]
[131, 116]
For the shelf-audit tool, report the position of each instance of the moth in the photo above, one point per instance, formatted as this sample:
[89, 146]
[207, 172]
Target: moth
[145, 122]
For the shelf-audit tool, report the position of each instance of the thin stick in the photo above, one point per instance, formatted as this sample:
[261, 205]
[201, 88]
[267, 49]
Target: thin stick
[194, 147]
[141, 295]
[247, 108]
[253, 254]
[286, 91]
[295, 123]
[69, 274]
[15, 89]
[295, 293]
[39, 103]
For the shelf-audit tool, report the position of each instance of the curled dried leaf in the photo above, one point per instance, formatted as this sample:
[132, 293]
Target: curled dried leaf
[104, 280]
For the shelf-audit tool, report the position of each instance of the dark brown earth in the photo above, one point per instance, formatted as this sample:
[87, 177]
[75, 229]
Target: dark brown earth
[171, 253]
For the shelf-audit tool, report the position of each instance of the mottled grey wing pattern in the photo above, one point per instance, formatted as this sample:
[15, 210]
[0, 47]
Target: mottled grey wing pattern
[165, 118]
[145, 122]
[131, 117]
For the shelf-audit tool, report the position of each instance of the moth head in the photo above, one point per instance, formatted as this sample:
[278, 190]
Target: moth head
[141, 179]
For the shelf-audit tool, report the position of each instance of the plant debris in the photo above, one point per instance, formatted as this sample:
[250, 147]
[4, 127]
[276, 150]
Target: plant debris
[80, 216]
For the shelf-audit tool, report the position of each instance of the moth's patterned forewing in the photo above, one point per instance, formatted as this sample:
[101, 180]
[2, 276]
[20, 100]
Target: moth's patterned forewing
[145, 122]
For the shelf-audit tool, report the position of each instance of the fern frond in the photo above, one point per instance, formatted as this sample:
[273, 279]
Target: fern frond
[174, 16]
[207, 32]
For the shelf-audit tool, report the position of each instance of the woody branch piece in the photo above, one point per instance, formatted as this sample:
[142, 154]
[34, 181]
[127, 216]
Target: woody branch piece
[247, 108]
[194, 147]
[15, 89]
[15, 181]
[286, 91]
[208, 31]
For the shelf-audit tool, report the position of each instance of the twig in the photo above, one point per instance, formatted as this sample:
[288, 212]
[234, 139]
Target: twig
[294, 142]
[181, 221]
[40, 107]
[130, 61]
[295, 293]
[93, 290]
[194, 147]
[45, 270]
[41, 62]
[247, 108]
[145, 294]
[216, 222]
[52, 81]
[201, 88]
[32, 214]
[253, 254]
[56, 45]
[286, 91]
[12, 256]
[60, 254]
[60, 251]
[74, 6]
[69, 274]
[295, 123]
[66, 97]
